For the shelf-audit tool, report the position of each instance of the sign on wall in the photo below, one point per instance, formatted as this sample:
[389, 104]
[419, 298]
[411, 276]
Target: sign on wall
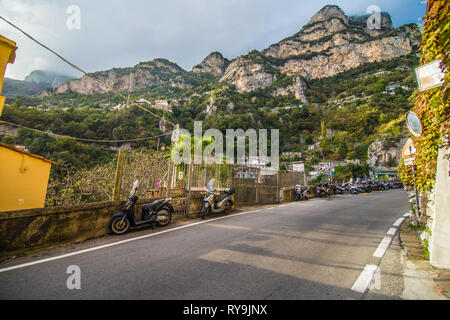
[430, 75]
[298, 167]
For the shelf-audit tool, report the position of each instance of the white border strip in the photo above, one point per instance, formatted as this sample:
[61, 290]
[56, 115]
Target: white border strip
[399, 222]
[119, 242]
[382, 248]
[365, 278]
[392, 231]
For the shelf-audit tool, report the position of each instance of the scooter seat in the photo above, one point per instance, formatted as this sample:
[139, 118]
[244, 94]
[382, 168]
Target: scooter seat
[150, 206]
[220, 198]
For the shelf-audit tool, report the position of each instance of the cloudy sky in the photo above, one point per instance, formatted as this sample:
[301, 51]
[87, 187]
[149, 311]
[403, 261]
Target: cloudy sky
[121, 33]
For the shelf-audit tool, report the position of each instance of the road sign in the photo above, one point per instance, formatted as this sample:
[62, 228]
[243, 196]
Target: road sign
[298, 167]
[414, 124]
[430, 75]
[409, 161]
[409, 149]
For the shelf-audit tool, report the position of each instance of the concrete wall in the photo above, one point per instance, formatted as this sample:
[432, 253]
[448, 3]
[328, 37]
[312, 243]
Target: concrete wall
[440, 237]
[26, 231]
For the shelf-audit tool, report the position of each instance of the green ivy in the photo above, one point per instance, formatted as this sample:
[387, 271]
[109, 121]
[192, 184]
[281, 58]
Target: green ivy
[432, 106]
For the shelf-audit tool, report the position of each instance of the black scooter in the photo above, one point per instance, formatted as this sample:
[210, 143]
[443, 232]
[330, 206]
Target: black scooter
[159, 213]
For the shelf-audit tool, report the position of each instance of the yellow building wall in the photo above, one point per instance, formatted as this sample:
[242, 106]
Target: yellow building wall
[7, 55]
[23, 181]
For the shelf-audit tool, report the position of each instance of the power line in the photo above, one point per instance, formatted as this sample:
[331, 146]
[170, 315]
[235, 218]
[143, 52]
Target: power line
[84, 72]
[58, 136]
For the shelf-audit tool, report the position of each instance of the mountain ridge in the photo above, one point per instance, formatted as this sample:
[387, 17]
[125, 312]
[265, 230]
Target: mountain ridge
[330, 43]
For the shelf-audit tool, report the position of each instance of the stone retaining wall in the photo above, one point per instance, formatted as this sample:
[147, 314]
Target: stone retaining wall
[30, 230]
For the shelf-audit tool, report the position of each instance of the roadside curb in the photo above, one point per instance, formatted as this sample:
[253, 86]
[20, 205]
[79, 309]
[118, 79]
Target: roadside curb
[364, 281]
[422, 281]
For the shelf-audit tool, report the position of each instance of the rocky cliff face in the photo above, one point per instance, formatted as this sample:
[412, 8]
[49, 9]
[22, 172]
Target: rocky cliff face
[383, 152]
[329, 44]
[146, 74]
[214, 64]
[298, 88]
[248, 74]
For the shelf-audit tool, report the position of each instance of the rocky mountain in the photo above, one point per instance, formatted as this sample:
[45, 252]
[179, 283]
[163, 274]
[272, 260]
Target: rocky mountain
[35, 83]
[329, 44]
[145, 74]
[46, 78]
[214, 64]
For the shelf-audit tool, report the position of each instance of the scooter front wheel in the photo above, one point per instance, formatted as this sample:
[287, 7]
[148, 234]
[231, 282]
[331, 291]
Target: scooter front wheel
[205, 212]
[120, 225]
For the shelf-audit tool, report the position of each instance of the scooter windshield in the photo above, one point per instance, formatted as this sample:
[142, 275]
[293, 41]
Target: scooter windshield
[133, 190]
[210, 186]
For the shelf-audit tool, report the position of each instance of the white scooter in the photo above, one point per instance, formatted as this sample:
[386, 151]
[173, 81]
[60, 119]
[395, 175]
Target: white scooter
[222, 203]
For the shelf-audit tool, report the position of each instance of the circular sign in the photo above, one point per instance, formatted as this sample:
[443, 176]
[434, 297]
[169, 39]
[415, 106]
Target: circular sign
[414, 124]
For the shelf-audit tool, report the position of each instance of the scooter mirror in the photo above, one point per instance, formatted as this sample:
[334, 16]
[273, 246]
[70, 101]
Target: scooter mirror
[134, 189]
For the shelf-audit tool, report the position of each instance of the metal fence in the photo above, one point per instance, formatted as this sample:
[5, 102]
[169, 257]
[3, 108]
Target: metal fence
[253, 184]
[159, 178]
[151, 169]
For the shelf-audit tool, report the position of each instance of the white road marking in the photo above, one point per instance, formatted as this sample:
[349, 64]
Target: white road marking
[399, 222]
[392, 231]
[365, 278]
[119, 242]
[384, 245]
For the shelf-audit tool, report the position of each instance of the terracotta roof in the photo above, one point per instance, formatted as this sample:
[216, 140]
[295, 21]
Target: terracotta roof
[27, 153]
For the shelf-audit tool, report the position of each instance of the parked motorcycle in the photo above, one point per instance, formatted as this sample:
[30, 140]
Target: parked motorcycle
[323, 190]
[384, 186]
[353, 189]
[301, 193]
[339, 190]
[221, 203]
[159, 213]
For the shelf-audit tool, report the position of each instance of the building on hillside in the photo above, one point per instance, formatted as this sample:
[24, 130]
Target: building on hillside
[7, 55]
[380, 172]
[392, 87]
[24, 178]
[163, 105]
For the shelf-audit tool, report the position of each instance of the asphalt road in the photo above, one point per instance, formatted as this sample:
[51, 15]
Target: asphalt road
[299, 251]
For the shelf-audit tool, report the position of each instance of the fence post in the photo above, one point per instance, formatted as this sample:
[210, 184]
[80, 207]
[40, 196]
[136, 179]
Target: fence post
[278, 186]
[189, 187]
[169, 179]
[118, 178]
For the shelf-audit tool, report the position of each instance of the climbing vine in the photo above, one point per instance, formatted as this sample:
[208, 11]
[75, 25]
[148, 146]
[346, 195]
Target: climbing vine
[432, 106]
